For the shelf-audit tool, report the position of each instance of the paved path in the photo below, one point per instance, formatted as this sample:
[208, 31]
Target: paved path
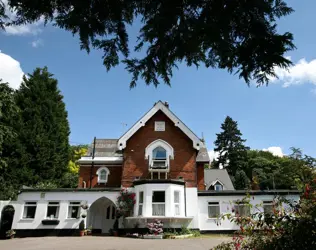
[109, 243]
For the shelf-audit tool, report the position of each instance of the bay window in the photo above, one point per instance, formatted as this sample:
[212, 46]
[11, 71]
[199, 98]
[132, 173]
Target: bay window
[176, 203]
[140, 203]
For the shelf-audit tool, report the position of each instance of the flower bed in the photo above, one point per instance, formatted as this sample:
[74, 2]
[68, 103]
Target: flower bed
[155, 230]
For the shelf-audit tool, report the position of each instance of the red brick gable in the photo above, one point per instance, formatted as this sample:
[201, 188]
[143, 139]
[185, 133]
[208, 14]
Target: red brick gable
[114, 179]
[183, 164]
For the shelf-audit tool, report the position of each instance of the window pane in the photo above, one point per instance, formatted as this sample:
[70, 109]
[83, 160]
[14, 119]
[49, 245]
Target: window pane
[30, 203]
[103, 175]
[213, 210]
[75, 202]
[177, 209]
[243, 210]
[140, 210]
[159, 164]
[218, 187]
[73, 212]
[52, 212]
[141, 197]
[159, 153]
[30, 212]
[158, 196]
[176, 197]
[268, 207]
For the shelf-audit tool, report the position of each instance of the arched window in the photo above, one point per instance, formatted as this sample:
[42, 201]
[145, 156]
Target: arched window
[103, 174]
[159, 158]
[159, 153]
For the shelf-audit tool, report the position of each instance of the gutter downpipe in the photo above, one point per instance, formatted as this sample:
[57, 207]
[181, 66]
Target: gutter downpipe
[92, 163]
[185, 199]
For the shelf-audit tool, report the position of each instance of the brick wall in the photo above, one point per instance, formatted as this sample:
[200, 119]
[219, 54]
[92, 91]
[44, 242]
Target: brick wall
[114, 179]
[183, 164]
[200, 176]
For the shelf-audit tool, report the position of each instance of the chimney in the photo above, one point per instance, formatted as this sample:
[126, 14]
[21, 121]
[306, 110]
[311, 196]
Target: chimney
[167, 104]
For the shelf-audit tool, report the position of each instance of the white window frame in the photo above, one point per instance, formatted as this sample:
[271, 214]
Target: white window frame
[217, 184]
[158, 203]
[99, 174]
[213, 204]
[140, 203]
[149, 154]
[74, 204]
[53, 204]
[177, 203]
[28, 204]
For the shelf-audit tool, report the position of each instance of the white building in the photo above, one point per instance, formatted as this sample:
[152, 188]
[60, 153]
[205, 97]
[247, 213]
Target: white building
[159, 159]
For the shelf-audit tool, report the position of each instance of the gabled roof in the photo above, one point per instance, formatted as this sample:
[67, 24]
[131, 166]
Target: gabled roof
[197, 143]
[213, 175]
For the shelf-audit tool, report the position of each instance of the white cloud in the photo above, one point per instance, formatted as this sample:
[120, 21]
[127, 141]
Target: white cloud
[37, 43]
[300, 73]
[25, 29]
[10, 71]
[276, 151]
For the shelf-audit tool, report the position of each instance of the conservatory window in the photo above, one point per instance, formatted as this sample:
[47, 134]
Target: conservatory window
[103, 174]
[29, 210]
[158, 203]
[140, 203]
[176, 203]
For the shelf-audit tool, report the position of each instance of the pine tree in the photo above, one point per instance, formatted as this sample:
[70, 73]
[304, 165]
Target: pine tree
[230, 146]
[43, 129]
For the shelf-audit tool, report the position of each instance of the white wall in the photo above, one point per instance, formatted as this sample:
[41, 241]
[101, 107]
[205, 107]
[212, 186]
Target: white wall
[226, 205]
[63, 198]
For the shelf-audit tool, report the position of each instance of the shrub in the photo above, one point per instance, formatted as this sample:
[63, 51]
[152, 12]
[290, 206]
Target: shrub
[125, 203]
[292, 229]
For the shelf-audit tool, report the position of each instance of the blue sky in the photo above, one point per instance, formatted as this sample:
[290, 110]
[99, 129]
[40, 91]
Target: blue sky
[99, 102]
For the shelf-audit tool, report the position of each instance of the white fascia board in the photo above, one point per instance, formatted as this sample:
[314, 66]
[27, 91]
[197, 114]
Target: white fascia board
[197, 143]
[101, 160]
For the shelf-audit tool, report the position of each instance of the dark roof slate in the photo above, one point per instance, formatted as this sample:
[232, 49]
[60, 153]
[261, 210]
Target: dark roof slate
[105, 148]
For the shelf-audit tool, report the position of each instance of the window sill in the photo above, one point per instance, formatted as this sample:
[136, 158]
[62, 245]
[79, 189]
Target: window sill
[27, 219]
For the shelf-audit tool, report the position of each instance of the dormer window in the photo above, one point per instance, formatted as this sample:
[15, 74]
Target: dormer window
[218, 187]
[103, 174]
[159, 159]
